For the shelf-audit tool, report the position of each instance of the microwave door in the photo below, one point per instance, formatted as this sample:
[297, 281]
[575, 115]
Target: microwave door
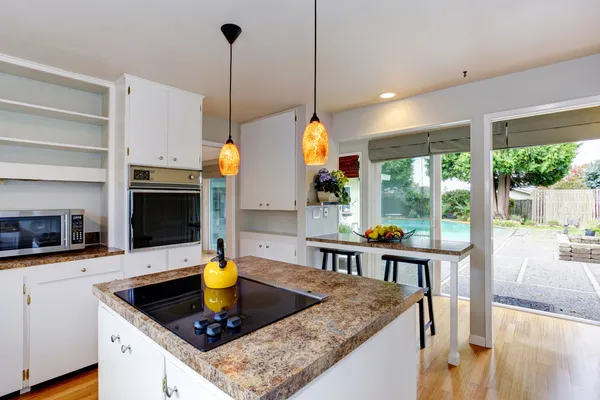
[33, 233]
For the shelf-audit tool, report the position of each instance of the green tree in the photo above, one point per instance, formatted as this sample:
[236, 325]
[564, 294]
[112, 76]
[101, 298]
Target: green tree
[592, 175]
[400, 172]
[529, 166]
[574, 180]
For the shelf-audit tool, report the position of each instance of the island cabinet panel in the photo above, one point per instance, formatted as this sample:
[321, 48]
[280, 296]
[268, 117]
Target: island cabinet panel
[185, 130]
[11, 331]
[189, 385]
[63, 315]
[148, 122]
[184, 256]
[268, 163]
[145, 262]
[130, 366]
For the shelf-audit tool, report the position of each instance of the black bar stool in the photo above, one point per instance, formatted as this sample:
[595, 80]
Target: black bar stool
[334, 259]
[422, 264]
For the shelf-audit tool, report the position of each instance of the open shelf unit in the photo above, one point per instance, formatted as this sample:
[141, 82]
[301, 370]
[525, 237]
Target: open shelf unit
[49, 112]
[52, 145]
[38, 172]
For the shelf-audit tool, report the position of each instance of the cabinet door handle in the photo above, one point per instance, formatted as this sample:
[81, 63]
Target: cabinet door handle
[174, 158]
[114, 338]
[260, 205]
[125, 348]
[83, 269]
[268, 204]
[149, 266]
[267, 246]
[185, 260]
[260, 245]
[160, 158]
[170, 392]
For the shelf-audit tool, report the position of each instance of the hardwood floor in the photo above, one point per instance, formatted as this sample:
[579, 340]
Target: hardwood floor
[534, 357]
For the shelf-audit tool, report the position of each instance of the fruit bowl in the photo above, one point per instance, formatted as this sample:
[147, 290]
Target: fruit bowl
[390, 234]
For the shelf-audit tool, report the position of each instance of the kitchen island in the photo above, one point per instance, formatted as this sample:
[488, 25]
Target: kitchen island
[416, 247]
[361, 342]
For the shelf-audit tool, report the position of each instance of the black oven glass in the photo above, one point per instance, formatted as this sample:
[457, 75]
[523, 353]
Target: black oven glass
[30, 232]
[165, 218]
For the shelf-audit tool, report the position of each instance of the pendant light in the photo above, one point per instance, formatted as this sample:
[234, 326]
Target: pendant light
[315, 143]
[229, 158]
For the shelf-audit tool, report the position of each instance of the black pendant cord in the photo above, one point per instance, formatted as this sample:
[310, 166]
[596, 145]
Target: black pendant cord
[314, 117]
[230, 80]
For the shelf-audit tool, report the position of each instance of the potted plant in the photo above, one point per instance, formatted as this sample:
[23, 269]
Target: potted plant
[331, 186]
[592, 227]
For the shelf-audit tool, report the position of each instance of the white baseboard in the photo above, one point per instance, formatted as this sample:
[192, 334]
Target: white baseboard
[477, 340]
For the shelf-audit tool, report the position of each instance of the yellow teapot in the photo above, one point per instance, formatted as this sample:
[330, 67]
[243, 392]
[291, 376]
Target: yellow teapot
[220, 273]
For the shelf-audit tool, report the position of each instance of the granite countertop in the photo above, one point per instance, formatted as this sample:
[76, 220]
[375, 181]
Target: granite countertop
[278, 360]
[94, 251]
[422, 244]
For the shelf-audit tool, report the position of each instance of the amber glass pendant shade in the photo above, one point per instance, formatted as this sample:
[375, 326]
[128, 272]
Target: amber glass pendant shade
[229, 159]
[315, 144]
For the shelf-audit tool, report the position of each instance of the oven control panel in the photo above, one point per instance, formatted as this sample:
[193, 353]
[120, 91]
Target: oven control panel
[77, 235]
[156, 177]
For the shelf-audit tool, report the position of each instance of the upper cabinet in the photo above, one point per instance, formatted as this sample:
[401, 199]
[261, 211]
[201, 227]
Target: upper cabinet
[164, 125]
[268, 163]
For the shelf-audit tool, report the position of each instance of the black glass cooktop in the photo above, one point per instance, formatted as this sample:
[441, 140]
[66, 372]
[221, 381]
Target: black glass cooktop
[207, 318]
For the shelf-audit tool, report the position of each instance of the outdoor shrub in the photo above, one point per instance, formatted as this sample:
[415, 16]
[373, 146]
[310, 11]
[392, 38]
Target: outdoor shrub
[345, 228]
[592, 175]
[553, 223]
[528, 222]
[413, 214]
[593, 225]
[456, 204]
[511, 205]
[516, 218]
[506, 223]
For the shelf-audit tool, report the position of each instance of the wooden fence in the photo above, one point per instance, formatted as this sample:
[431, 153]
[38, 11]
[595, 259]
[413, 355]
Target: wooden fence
[575, 207]
[523, 208]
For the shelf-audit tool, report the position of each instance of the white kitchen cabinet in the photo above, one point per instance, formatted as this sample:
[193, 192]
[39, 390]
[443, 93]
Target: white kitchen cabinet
[185, 130]
[163, 125]
[11, 333]
[62, 315]
[148, 122]
[189, 385]
[273, 247]
[145, 262]
[130, 367]
[268, 163]
[184, 256]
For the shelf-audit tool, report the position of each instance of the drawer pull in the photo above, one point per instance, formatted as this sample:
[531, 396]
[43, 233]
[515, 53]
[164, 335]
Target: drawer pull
[174, 158]
[170, 392]
[125, 348]
[149, 266]
[260, 204]
[114, 338]
[268, 204]
[260, 245]
[83, 269]
[160, 158]
[267, 247]
[185, 260]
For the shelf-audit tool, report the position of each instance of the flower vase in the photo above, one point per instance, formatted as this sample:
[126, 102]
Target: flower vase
[326, 197]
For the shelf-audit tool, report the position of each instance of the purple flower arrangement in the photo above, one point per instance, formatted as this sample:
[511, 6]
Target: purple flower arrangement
[332, 182]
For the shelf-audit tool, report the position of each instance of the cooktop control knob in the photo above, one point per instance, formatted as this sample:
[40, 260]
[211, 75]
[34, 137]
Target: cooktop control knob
[213, 330]
[201, 323]
[234, 322]
[221, 316]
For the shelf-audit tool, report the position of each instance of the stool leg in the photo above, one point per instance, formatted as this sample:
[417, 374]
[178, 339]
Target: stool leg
[429, 299]
[358, 266]
[395, 271]
[334, 262]
[324, 265]
[421, 324]
[386, 276]
[349, 264]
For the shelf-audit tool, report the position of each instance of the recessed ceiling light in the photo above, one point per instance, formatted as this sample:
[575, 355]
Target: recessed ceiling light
[387, 95]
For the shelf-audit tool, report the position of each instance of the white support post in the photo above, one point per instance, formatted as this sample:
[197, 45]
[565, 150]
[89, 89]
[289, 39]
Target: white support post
[482, 187]
[436, 217]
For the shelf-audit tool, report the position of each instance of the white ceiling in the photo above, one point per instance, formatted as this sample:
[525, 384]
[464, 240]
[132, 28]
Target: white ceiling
[210, 153]
[365, 47]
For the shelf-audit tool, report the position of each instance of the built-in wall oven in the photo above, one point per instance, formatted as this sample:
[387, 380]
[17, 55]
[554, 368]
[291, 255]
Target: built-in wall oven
[24, 232]
[165, 207]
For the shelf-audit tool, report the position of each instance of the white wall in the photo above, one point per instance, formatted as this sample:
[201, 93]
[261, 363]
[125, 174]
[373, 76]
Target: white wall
[537, 87]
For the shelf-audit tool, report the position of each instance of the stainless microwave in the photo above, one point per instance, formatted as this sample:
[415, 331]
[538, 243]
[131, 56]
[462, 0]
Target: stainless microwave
[26, 232]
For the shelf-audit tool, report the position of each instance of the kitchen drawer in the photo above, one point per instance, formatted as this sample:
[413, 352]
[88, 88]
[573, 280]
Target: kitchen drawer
[145, 262]
[75, 269]
[184, 256]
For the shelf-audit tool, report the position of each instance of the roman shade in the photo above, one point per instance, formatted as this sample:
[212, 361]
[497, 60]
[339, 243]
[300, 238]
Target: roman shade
[454, 139]
[561, 127]
[211, 170]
